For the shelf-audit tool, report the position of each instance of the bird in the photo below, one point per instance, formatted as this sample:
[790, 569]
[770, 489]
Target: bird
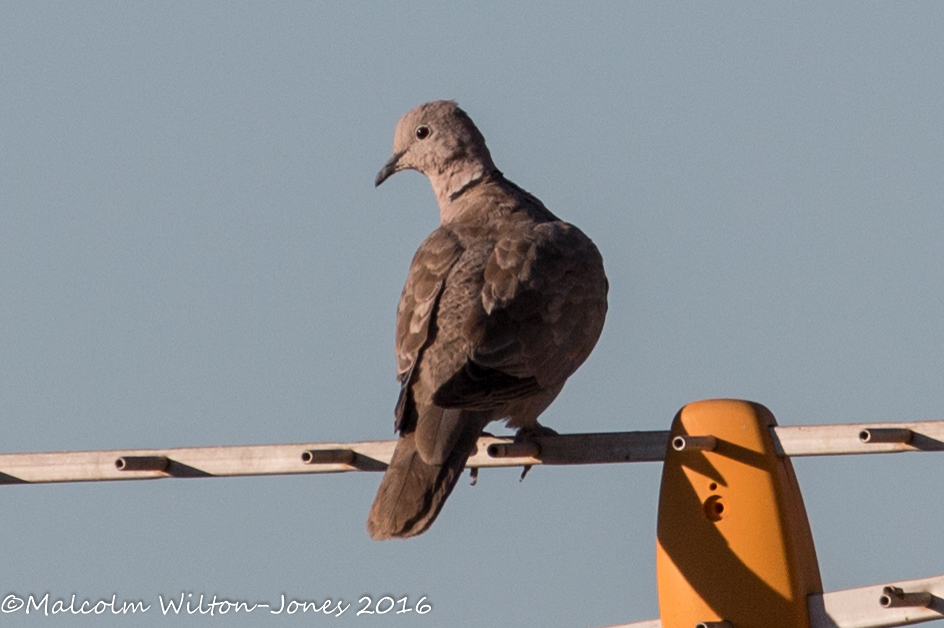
[502, 303]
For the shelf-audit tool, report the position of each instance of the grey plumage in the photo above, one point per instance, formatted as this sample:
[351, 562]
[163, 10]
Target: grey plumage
[501, 305]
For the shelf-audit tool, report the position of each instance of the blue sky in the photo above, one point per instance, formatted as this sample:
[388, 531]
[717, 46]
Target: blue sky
[192, 252]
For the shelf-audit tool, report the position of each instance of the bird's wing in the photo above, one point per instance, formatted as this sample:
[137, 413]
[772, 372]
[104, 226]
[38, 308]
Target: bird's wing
[543, 301]
[418, 303]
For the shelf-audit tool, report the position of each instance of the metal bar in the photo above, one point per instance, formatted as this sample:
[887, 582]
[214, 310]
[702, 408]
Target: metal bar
[514, 450]
[695, 443]
[862, 607]
[896, 597]
[328, 456]
[886, 435]
[91, 466]
[829, 440]
[142, 463]
[565, 449]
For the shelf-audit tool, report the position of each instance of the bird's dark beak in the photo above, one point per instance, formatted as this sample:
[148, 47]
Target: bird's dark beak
[389, 168]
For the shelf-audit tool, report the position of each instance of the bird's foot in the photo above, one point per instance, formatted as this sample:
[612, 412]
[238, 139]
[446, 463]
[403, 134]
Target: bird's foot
[530, 433]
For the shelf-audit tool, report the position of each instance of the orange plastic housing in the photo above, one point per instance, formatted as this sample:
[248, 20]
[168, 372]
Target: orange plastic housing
[734, 543]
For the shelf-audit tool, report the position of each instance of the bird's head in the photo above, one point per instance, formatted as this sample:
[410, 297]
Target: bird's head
[441, 141]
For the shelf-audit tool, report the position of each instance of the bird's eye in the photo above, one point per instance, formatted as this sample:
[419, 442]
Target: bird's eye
[422, 132]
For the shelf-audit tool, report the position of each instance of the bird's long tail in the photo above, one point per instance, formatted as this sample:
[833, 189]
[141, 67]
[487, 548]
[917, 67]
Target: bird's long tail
[412, 491]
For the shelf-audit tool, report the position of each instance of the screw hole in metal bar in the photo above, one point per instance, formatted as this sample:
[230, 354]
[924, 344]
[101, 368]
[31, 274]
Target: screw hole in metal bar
[514, 450]
[886, 435]
[328, 456]
[694, 443]
[894, 597]
[142, 463]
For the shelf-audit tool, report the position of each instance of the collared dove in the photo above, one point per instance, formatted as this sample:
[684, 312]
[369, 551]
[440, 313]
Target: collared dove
[501, 305]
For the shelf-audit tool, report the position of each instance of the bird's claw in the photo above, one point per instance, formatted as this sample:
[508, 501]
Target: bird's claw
[524, 472]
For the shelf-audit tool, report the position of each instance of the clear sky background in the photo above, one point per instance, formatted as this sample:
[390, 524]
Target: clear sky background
[192, 253]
